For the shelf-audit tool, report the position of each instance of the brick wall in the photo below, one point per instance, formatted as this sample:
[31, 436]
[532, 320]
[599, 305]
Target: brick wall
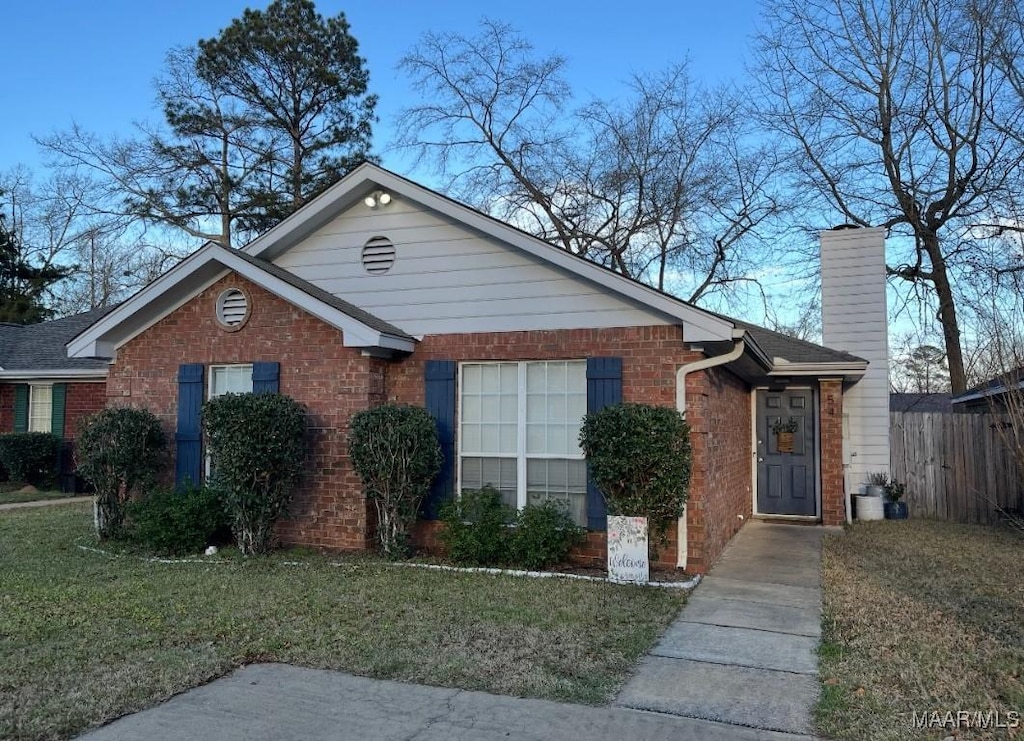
[6, 408]
[82, 400]
[833, 492]
[718, 410]
[333, 382]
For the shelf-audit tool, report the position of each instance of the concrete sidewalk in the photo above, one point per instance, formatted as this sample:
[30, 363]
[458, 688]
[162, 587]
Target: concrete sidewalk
[43, 503]
[276, 702]
[743, 651]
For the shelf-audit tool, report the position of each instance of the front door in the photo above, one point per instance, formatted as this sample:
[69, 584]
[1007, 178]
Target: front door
[786, 451]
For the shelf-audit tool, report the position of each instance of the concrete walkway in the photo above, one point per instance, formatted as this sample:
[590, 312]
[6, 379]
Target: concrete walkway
[278, 702]
[43, 502]
[743, 651]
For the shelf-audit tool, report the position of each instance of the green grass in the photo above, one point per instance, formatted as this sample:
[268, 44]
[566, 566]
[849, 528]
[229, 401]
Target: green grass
[920, 616]
[14, 496]
[86, 637]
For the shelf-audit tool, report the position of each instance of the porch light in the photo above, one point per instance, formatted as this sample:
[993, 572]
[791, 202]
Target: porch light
[377, 198]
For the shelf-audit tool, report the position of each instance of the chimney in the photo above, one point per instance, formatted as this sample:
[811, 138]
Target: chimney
[854, 319]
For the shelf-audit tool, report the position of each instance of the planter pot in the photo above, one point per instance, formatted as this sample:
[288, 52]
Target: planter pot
[869, 508]
[895, 510]
[628, 549]
[874, 490]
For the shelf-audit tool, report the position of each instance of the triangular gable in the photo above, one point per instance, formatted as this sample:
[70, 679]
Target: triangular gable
[349, 193]
[206, 266]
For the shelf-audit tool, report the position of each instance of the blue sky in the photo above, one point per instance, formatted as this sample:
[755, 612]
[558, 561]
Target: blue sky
[93, 62]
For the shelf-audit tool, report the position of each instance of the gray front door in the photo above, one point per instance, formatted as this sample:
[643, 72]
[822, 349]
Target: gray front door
[786, 472]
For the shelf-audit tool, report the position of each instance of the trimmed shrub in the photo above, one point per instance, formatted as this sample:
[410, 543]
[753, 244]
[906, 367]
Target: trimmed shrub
[177, 522]
[543, 536]
[120, 451]
[476, 528]
[395, 451]
[256, 446]
[640, 459]
[30, 457]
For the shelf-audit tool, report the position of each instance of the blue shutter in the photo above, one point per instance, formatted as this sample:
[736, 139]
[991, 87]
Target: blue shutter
[439, 376]
[265, 378]
[59, 392]
[604, 387]
[189, 458]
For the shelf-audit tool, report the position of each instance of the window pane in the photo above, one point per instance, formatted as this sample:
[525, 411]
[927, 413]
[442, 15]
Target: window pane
[536, 439]
[509, 438]
[471, 379]
[510, 378]
[490, 408]
[230, 379]
[471, 438]
[509, 407]
[560, 481]
[556, 377]
[536, 378]
[470, 408]
[489, 439]
[40, 408]
[557, 399]
[497, 472]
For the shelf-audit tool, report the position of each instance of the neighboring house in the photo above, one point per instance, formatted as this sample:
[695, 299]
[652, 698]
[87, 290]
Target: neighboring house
[43, 390]
[992, 395]
[383, 290]
[907, 402]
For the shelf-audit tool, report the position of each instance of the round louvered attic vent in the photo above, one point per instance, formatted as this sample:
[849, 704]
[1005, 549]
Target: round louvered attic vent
[232, 308]
[378, 255]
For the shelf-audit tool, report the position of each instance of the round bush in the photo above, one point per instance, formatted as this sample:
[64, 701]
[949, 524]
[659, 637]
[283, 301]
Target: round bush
[395, 451]
[176, 522]
[543, 536]
[640, 459]
[121, 452]
[476, 528]
[256, 446]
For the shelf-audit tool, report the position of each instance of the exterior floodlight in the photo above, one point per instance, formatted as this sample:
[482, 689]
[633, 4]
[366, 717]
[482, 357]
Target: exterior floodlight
[377, 198]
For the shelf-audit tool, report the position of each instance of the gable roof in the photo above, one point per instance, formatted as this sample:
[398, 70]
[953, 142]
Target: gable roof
[38, 350]
[792, 350]
[206, 266]
[702, 325]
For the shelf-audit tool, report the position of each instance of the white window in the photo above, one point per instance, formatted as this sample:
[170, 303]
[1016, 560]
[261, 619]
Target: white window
[230, 379]
[40, 408]
[519, 426]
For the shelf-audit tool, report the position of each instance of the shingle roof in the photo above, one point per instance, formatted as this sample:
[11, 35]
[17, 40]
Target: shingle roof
[778, 345]
[37, 347]
[361, 315]
[920, 402]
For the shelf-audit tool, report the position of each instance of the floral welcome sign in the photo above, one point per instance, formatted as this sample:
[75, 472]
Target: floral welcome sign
[627, 549]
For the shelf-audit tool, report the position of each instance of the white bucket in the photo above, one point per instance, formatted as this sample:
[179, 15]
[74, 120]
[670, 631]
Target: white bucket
[870, 508]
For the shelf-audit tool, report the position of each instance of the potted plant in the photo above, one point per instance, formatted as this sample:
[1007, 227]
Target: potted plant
[895, 508]
[784, 430]
[877, 481]
[869, 504]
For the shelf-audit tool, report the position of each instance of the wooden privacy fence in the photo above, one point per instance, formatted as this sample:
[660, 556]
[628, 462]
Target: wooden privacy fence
[957, 467]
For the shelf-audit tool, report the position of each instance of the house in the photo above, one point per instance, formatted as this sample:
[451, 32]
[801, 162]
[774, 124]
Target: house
[383, 290]
[994, 395]
[44, 390]
[913, 402]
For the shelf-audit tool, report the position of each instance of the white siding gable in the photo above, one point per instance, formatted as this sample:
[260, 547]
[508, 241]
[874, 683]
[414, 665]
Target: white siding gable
[448, 279]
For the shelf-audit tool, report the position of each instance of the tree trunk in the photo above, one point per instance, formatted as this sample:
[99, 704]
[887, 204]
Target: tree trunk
[947, 316]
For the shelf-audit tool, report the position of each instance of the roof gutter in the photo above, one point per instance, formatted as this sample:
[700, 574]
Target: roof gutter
[55, 373]
[681, 374]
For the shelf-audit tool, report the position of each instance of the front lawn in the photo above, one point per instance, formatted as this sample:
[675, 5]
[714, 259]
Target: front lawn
[85, 637]
[921, 616]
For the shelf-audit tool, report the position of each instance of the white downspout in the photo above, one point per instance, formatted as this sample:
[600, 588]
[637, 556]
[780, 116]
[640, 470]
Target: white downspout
[681, 374]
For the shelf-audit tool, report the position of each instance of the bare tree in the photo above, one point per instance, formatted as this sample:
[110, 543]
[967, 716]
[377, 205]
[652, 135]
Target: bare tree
[664, 186]
[898, 112]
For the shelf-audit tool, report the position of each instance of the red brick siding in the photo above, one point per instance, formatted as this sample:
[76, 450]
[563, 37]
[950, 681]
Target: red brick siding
[6, 408]
[333, 382]
[718, 410]
[82, 401]
[833, 493]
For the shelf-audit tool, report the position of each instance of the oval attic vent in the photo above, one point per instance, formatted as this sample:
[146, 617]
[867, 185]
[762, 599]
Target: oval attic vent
[232, 306]
[378, 255]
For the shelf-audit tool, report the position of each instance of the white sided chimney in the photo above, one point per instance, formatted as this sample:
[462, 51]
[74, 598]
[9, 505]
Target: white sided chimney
[854, 319]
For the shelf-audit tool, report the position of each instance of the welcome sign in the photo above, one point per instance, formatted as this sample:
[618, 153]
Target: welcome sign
[628, 549]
